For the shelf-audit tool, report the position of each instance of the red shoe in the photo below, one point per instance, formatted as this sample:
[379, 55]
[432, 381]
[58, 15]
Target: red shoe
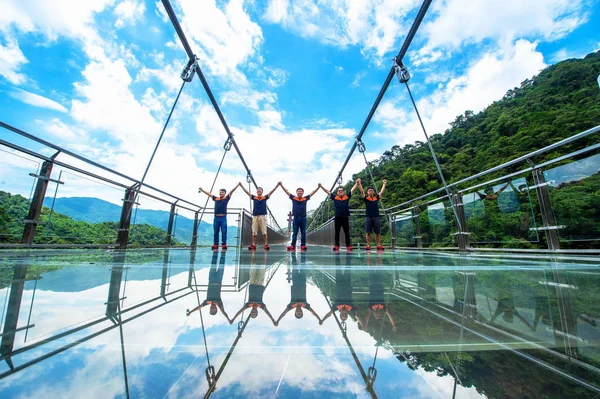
[349, 248]
[336, 247]
[215, 246]
[303, 248]
[290, 248]
[266, 247]
[368, 248]
[252, 247]
[224, 246]
[380, 247]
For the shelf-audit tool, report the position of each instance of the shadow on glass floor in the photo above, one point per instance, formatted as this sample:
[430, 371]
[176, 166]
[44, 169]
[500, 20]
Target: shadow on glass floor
[181, 323]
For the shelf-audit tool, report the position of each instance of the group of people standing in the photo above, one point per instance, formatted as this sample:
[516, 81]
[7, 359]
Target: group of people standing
[341, 214]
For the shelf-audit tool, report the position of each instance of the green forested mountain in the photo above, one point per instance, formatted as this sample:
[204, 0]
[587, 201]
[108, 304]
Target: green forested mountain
[564, 99]
[61, 229]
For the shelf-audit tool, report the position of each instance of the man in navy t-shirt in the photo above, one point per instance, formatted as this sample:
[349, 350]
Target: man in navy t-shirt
[342, 215]
[372, 213]
[220, 221]
[259, 214]
[299, 214]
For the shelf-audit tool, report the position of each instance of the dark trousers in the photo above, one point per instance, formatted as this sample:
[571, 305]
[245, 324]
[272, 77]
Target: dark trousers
[299, 224]
[342, 222]
[220, 223]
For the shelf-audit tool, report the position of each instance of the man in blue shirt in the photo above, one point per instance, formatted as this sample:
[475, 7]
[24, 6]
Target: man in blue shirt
[342, 215]
[299, 214]
[220, 221]
[259, 214]
[372, 213]
[213, 292]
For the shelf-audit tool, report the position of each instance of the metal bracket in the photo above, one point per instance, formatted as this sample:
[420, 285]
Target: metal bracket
[372, 375]
[344, 329]
[340, 181]
[31, 221]
[210, 375]
[360, 145]
[249, 177]
[188, 72]
[228, 144]
[132, 201]
[46, 178]
[122, 229]
[401, 71]
[547, 183]
[466, 233]
[545, 228]
[560, 285]
[240, 326]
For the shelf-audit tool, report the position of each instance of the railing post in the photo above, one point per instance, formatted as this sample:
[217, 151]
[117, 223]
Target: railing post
[462, 235]
[170, 225]
[12, 310]
[125, 221]
[550, 227]
[393, 232]
[37, 201]
[194, 242]
[417, 221]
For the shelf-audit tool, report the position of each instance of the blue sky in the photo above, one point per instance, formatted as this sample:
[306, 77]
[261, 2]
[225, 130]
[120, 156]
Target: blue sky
[295, 80]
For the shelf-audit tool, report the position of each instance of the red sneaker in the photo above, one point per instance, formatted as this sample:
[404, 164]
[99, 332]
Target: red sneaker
[215, 246]
[349, 248]
[380, 247]
[368, 248]
[252, 247]
[303, 248]
[266, 247]
[290, 248]
[224, 246]
[336, 248]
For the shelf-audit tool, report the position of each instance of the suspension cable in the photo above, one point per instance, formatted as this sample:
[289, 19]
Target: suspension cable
[226, 148]
[437, 164]
[202, 323]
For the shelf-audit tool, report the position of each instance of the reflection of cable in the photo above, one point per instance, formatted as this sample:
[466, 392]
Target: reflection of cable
[202, 323]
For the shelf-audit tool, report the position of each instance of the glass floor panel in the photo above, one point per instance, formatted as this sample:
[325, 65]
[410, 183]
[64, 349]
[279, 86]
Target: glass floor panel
[197, 323]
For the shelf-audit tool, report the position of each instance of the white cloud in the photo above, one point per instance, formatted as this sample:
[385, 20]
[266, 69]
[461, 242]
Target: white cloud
[357, 79]
[459, 22]
[129, 12]
[486, 80]
[37, 100]
[11, 60]
[375, 26]
[61, 130]
[223, 39]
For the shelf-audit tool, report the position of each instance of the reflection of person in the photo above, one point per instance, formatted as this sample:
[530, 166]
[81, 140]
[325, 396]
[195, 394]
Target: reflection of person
[343, 303]
[215, 283]
[377, 305]
[259, 214]
[220, 220]
[372, 213]
[298, 300]
[299, 213]
[342, 214]
[489, 194]
[506, 308]
[256, 289]
[523, 204]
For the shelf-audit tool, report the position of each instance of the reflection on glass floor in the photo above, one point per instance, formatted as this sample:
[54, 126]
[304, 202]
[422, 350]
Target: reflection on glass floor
[181, 323]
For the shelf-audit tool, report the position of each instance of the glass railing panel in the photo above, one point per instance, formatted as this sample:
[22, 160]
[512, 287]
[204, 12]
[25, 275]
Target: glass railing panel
[574, 198]
[16, 190]
[437, 225]
[501, 213]
[405, 229]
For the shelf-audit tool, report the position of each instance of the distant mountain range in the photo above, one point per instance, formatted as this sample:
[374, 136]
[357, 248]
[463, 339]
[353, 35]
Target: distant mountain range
[94, 210]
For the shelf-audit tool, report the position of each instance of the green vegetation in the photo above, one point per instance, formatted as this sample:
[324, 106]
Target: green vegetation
[561, 101]
[61, 229]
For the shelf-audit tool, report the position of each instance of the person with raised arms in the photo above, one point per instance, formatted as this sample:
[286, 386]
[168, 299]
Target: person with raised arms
[220, 220]
[259, 214]
[372, 223]
[299, 213]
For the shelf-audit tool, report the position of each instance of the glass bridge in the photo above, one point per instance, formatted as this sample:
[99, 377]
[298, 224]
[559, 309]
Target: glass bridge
[388, 324]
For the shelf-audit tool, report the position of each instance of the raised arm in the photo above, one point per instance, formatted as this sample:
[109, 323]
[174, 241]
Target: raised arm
[189, 312]
[316, 315]
[275, 323]
[326, 316]
[200, 189]
[237, 314]
[502, 189]
[282, 314]
[382, 187]
[274, 188]
[353, 187]
[324, 189]
[315, 190]
[220, 305]
[235, 188]
[387, 312]
[360, 187]
[284, 189]
[244, 188]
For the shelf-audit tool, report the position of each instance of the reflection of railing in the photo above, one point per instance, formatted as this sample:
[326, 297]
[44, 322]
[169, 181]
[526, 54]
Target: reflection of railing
[555, 199]
[245, 232]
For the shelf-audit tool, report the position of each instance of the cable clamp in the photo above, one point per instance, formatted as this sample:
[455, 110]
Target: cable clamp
[188, 72]
[401, 71]
[360, 145]
[249, 177]
[228, 144]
